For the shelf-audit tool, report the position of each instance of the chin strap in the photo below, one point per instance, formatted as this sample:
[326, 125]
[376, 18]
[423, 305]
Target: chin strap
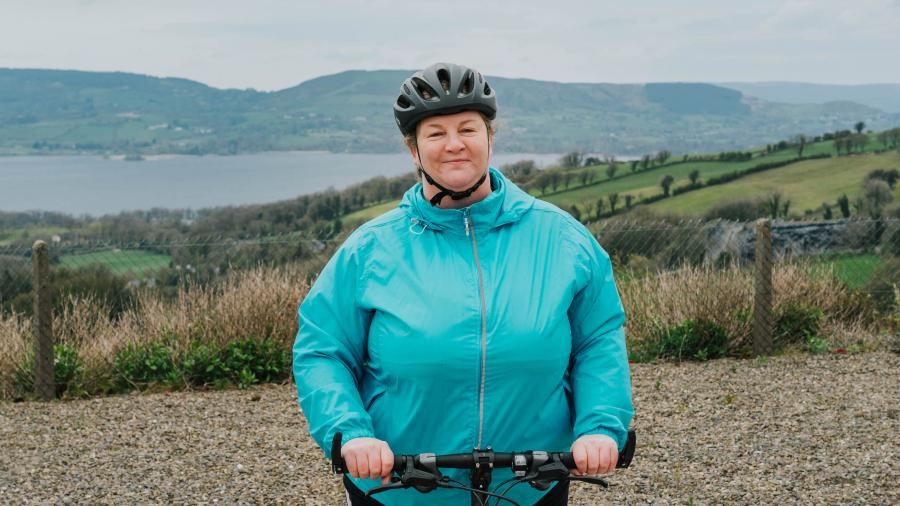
[445, 191]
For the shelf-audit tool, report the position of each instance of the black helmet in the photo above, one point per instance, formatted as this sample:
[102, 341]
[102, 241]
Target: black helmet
[442, 88]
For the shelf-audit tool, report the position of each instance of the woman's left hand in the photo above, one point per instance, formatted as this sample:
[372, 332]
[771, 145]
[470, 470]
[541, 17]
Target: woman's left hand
[595, 454]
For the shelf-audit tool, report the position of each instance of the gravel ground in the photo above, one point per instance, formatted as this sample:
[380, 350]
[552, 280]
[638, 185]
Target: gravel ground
[792, 430]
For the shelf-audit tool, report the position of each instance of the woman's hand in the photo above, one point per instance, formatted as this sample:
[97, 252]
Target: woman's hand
[367, 457]
[595, 454]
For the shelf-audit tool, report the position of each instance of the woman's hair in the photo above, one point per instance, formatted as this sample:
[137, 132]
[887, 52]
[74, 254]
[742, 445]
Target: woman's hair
[410, 138]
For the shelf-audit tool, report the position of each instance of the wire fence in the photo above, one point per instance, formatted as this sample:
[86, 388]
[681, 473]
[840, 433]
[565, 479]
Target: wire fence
[92, 318]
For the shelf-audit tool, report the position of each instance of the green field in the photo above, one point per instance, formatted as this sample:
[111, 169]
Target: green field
[120, 262]
[806, 184]
[368, 213]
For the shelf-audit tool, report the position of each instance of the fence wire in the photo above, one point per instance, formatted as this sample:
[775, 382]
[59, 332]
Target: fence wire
[219, 311]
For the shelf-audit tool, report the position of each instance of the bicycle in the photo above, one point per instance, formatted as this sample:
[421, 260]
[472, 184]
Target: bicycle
[537, 468]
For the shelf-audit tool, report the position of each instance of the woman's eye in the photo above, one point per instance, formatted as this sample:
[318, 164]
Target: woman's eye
[434, 135]
[468, 130]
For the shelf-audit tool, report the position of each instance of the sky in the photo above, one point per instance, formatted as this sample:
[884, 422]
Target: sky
[273, 44]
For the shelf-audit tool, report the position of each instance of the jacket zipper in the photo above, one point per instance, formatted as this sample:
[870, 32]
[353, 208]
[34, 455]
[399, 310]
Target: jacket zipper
[483, 325]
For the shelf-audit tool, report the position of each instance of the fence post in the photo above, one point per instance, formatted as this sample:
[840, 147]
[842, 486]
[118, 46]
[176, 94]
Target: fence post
[762, 301]
[43, 323]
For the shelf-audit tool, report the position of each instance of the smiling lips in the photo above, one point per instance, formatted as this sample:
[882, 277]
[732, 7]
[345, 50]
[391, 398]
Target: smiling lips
[459, 160]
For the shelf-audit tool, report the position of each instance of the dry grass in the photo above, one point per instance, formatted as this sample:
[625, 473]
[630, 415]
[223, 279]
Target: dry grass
[262, 304]
[257, 304]
[657, 302]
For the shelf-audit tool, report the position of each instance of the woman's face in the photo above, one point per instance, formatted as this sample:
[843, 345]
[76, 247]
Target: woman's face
[454, 149]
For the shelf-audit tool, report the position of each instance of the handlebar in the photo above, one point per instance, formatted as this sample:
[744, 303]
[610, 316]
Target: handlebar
[469, 460]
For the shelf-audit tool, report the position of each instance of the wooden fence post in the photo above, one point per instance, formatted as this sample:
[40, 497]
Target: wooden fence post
[43, 322]
[762, 301]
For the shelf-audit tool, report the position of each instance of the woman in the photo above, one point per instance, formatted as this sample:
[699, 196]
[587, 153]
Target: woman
[471, 316]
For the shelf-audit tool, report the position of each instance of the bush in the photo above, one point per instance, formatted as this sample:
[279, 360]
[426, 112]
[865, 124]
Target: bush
[691, 340]
[796, 324]
[67, 367]
[242, 363]
[140, 365]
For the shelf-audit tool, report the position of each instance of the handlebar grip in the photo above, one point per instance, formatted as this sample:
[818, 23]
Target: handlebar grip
[625, 455]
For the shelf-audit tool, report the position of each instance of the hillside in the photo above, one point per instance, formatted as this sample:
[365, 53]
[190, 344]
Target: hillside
[807, 183]
[56, 111]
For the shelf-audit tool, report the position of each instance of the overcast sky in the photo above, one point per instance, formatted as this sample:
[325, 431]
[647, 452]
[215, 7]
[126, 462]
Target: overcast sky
[273, 44]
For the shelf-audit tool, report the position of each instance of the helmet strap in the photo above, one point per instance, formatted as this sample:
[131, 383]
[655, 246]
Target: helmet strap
[448, 192]
[444, 192]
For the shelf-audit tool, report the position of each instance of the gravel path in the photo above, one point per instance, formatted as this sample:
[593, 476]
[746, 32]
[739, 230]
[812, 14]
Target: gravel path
[791, 430]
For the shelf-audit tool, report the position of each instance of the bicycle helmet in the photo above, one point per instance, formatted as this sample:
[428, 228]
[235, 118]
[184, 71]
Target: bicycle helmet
[443, 88]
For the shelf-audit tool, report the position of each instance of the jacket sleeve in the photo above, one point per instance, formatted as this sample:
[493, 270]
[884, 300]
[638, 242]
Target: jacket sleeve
[599, 371]
[329, 350]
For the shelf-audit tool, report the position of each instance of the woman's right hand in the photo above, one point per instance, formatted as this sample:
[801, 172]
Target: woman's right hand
[367, 457]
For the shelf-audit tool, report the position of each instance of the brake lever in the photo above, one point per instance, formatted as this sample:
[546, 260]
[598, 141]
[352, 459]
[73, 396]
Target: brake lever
[591, 480]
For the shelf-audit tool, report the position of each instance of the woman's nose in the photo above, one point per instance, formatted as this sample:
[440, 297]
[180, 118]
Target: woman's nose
[454, 143]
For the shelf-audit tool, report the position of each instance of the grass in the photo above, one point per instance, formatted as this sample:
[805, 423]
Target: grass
[368, 213]
[854, 270]
[119, 261]
[806, 184]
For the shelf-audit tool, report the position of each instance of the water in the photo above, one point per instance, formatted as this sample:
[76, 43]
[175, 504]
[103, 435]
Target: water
[94, 185]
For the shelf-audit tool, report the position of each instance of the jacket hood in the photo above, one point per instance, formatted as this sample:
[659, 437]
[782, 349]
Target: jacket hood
[506, 204]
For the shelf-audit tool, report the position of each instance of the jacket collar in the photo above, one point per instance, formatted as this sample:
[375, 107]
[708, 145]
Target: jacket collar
[506, 204]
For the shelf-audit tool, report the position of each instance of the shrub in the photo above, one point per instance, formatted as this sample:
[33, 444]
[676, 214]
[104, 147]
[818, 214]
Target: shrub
[140, 365]
[67, 368]
[796, 323]
[691, 340]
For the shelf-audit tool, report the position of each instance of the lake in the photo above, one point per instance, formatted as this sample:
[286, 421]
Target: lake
[95, 185]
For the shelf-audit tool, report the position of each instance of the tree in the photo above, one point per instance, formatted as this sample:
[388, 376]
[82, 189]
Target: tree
[542, 181]
[611, 170]
[645, 161]
[571, 159]
[583, 176]
[662, 156]
[844, 204]
[876, 195]
[567, 178]
[599, 208]
[800, 142]
[634, 165]
[826, 211]
[588, 209]
[694, 176]
[575, 212]
[555, 179]
[859, 126]
[666, 183]
[628, 199]
[775, 205]
[888, 176]
[591, 161]
[613, 200]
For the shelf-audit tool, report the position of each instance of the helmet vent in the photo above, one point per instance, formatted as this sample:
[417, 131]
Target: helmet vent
[424, 90]
[487, 89]
[406, 89]
[444, 77]
[467, 84]
[404, 102]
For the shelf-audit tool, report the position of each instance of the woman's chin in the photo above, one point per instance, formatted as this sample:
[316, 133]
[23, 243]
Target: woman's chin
[460, 180]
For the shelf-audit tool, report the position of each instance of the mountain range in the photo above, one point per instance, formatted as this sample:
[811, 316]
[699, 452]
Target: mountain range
[66, 111]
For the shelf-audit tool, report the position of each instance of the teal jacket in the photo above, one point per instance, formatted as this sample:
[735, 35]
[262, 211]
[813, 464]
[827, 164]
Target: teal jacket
[442, 330]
